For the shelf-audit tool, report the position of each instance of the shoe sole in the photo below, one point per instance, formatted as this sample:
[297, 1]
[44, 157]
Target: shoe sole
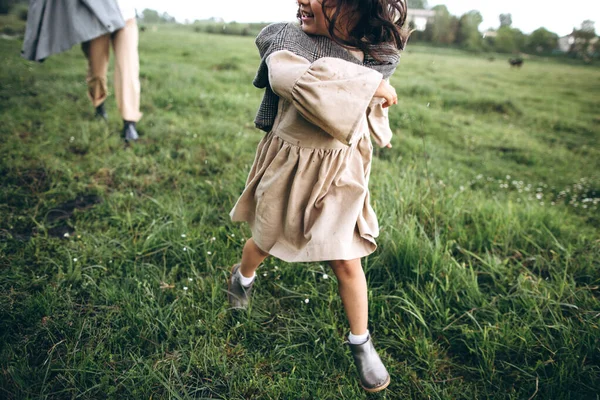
[378, 388]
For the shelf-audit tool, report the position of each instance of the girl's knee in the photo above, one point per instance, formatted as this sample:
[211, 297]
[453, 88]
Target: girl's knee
[346, 268]
[254, 248]
[261, 252]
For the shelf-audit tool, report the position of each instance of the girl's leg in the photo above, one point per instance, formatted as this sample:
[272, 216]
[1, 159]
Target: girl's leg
[252, 256]
[353, 291]
[242, 275]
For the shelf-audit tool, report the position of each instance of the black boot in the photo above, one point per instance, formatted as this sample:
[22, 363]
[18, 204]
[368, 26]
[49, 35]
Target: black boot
[129, 132]
[101, 112]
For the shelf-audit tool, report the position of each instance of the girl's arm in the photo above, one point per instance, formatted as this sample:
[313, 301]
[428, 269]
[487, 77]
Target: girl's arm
[331, 93]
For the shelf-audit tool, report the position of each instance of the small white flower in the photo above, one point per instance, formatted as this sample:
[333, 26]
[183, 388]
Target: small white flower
[325, 276]
[212, 239]
[66, 234]
[209, 253]
[185, 249]
[190, 279]
[75, 260]
[183, 235]
[507, 177]
[185, 288]
[72, 139]
[462, 188]
[539, 196]
[232, 235]
[276, 267]
[306, 301]
[265, 274]
[131, 194]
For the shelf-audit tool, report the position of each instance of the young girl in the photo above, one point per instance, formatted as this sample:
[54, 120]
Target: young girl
[307, 197]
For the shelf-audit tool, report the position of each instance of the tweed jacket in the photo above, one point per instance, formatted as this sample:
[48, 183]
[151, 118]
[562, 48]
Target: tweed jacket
[290, 37]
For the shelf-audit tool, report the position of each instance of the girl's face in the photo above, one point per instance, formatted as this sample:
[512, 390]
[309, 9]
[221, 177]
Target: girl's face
[311, 15]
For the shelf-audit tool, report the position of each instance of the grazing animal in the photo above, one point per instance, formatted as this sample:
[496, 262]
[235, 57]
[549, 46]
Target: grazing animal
[516, 62]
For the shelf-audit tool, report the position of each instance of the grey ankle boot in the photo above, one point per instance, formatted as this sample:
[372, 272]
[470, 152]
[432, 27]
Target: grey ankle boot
[237, 294]
[373, 375]
[101, 112]
[129, 132]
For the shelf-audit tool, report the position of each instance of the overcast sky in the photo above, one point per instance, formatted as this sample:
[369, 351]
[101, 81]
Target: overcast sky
[528, 15]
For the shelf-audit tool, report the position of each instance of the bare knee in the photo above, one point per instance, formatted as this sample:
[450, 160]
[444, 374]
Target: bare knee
[346, 269]
[254, 248]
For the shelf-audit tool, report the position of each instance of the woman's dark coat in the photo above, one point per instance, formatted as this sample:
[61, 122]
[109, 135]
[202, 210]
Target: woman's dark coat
[54, 26]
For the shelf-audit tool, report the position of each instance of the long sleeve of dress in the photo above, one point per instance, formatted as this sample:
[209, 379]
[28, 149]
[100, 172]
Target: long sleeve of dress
[379, 123]
[331, 93]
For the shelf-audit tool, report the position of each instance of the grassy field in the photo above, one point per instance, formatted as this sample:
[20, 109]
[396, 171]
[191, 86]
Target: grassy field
[114, 259]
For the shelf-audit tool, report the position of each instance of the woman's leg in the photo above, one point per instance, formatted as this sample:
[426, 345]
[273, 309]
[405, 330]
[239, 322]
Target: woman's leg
[97, 52]
[252, 256]
[352, 285]
[127, 71]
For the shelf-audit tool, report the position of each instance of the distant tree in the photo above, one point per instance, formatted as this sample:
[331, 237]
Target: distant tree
[468, 35]
[150, 16]
[153, 17]
[588, 26]
[444, 27]
[505, 20]
[585, 43]
[417, 4]
[509, 40]
[541, 41]
[165, 17]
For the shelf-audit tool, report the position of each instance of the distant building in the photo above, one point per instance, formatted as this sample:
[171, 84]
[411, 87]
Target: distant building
[566, 42]
[418, 19]
[490, 33]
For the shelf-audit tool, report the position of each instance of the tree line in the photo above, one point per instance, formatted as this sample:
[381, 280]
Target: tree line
[444, 29]
[448, 30]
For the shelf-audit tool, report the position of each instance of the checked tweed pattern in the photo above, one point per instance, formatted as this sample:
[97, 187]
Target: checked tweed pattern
[289, 36]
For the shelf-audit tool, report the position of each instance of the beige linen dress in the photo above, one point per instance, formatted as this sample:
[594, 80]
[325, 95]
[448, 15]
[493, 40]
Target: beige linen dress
[307, 197]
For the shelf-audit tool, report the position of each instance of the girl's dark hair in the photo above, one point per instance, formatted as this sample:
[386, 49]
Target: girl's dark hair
[375, 22]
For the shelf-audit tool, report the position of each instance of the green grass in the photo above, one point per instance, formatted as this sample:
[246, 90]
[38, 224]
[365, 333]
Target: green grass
[114, 260]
